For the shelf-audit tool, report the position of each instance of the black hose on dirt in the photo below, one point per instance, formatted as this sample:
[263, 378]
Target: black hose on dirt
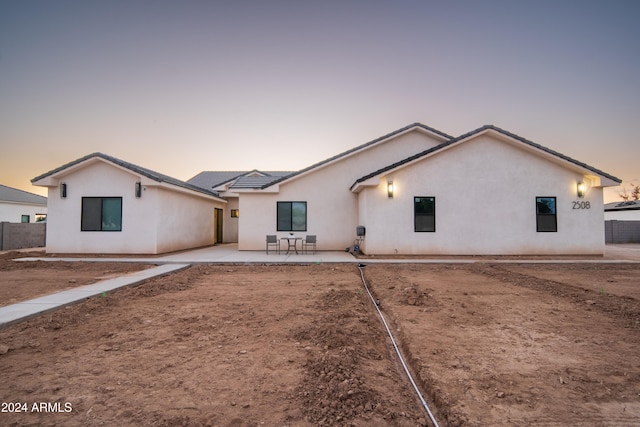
[376, 304]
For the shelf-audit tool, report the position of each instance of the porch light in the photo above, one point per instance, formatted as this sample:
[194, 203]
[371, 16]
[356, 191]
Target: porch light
[390, 189]
[63, 190]
[581, 189]
[138, 190]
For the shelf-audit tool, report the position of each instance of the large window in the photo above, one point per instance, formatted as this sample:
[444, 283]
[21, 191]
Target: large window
[292, 216]
[546, 214]
[101, 214]
[424, 214]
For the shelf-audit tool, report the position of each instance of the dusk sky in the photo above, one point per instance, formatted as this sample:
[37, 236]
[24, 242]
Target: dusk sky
[186, 86]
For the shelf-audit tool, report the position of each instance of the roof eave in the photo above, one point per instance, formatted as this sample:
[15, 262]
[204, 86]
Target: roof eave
[345, 154]
[598, 177]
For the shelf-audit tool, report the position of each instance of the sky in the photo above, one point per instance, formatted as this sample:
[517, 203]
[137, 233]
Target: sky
[186, 86]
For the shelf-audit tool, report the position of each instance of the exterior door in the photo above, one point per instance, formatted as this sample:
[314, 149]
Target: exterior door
[217, 215]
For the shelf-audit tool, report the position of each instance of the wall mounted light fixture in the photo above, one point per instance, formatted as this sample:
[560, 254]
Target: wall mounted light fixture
[581, 189]
[63, 190]
[390, 189]
[138, 190]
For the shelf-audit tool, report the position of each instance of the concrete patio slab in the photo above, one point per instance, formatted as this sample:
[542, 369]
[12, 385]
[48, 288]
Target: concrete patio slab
[220, 254]
[229, 254]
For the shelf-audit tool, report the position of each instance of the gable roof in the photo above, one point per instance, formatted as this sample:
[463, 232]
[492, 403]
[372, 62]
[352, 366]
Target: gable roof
[153, 175]
[361, 147]
[473, 133]
[10, 194]
[212, 179]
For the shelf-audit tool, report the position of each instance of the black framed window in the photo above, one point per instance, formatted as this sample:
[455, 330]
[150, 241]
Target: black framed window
[424, 214]
[292, 216]
[101, 214]
[546, 217]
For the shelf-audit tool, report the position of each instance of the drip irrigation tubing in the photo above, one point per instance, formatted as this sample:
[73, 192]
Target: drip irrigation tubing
[376, 304]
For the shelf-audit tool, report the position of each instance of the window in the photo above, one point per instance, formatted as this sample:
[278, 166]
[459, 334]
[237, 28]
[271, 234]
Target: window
[235, 213]
[546, 220]
[424, 214]
[24, 218]
[292, 216]
[101, 214]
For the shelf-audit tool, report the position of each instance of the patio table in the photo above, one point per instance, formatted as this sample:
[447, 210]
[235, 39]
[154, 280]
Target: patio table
[291, 243]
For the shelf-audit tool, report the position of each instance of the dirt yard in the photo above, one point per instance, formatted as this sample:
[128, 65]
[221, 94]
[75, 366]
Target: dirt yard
[20, 281]
[238, 345]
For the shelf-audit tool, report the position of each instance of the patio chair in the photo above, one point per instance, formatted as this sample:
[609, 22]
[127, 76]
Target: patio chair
[309, 241]
[272, 240]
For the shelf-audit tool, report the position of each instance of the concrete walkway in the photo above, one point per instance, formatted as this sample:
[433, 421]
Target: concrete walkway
[24, 310]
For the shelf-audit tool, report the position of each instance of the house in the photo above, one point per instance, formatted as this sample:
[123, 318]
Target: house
[627, 210]
[416, 190]
[21, 206]
[226, 184]
[420, 191]
[622, 222]
[100, 204]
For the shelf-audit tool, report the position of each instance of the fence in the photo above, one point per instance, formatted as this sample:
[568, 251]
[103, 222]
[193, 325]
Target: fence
[18, 235]
[621, 231]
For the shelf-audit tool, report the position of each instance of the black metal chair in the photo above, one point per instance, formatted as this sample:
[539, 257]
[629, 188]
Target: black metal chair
[272, 240]
[309, 241]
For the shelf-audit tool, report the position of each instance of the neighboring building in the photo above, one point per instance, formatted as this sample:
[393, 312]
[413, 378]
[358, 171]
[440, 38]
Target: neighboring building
[100, 204]
[622, 211]
[415, 191]
[622, 222]
[21, 206]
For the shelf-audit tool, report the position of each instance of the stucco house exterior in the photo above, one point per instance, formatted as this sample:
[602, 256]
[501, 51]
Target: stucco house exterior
[420, 191]
[416, 190]
[100, 204]
[21, 206]
[227, 184]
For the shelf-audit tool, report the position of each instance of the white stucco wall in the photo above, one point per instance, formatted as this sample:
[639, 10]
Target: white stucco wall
[485, 192]
[12, 212]
[184, 221]
[230, 225]
[331, 206]
[160, 221]
[630, 215]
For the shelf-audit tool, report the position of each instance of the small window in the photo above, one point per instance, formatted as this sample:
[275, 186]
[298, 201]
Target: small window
[101, 214]
[25, 219]
[235, 213]
[292, 216]
[546, 220]
[424, 214]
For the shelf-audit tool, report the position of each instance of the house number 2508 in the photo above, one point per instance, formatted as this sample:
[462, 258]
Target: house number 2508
[581, 205]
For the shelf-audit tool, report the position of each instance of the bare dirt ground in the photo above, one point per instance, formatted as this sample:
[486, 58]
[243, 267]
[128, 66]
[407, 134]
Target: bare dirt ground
[20, 281]
[252, 345]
